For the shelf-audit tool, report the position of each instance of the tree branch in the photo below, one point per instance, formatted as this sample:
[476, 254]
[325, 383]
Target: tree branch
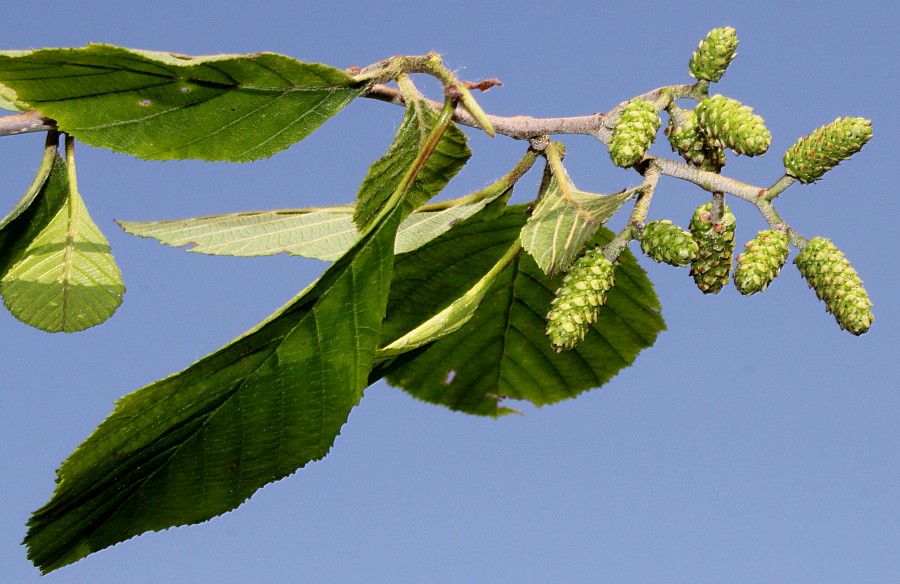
[25, 123]
[518, 127]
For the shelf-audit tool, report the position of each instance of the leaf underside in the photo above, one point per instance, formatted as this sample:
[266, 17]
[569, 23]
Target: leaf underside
[502, 352]
[58, 274]
[564, 220]
[319, 233]
[162, 106]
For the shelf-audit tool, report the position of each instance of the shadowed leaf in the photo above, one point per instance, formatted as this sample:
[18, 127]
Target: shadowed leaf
[199, 443]
[385, 174]
[502, 352]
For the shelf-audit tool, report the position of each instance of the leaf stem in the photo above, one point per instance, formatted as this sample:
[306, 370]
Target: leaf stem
[614, 248]
[510, 179]
[445, 118]
[779, 187]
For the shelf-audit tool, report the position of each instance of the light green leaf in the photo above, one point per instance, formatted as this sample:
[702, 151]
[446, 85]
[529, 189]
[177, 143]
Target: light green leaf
[323, 233]
[386, 174]
[502, 351]
[162, 106]
[199, 443]
[564, 220]
[59, 275]
[8, 100]
[454, 316]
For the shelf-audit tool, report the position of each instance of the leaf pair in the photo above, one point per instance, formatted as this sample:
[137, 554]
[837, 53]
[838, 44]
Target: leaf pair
[56, 270]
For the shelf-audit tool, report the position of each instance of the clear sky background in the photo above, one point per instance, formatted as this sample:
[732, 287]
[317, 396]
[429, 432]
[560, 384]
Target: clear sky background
[755, 443]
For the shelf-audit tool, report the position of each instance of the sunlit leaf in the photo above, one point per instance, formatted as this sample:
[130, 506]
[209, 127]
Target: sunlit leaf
[59, 274]
[564, 220]
[320, 233]
[502, 352]
[8, 100]
[163, 106]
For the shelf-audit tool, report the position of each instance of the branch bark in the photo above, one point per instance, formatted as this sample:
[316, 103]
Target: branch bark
[25, 123]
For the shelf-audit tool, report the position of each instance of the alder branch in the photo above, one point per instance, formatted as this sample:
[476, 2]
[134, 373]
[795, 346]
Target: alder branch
[526, 127]
[598, 125]
[517, 127]
[25, 123]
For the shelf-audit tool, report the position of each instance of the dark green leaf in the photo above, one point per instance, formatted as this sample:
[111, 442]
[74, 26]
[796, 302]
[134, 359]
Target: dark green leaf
[199, 443]
[163, 106]
[502, 352]
[385, 175]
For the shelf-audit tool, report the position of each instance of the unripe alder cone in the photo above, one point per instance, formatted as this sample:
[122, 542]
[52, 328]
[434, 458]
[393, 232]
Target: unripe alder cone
[715, 241]
[837, 284]
[634, 132]
[816, 154]
[688, 140]
[761, 262]
[712, 57]
[730, 124]
[577, 302]
[664, 242]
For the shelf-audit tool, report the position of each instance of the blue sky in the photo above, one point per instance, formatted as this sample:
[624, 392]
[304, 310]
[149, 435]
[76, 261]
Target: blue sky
[755, 442]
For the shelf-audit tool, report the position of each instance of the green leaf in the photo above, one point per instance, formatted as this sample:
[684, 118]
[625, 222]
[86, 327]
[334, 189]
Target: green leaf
[197, 444]
[386, 174]
[48, 161]
[163, 106]
[502, 352]
[8, 100]
[564, 220]
[454, 316]
[319, 233]
[58, 274]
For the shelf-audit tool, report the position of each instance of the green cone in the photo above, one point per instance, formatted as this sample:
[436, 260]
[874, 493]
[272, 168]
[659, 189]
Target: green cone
[664, 242]
[730, 124]
[715, 52]
[716, 246]
[634, 132]
[578, 300]
[836, 283]
[688, 140]
[761, 262]
[816, 154]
